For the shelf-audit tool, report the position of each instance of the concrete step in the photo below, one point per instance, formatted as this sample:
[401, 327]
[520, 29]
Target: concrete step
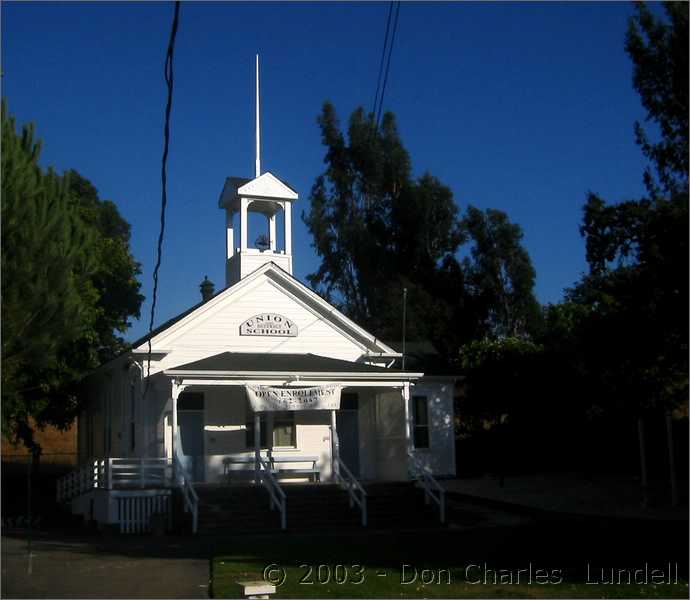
[313, 507]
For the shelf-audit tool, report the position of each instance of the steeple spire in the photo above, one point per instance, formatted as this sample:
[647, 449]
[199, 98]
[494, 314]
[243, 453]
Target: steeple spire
[266, 195]
[258, 125]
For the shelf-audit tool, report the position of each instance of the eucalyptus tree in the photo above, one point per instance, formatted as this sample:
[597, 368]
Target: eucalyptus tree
[378, 229]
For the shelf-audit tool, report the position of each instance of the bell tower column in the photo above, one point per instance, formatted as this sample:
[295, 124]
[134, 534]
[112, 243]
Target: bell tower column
[243, 224]
[288, 228]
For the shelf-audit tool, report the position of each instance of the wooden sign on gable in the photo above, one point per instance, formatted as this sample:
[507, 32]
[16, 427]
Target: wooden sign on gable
[270, 324]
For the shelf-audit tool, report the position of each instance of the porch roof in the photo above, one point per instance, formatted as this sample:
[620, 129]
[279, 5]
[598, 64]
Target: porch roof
[253, 364]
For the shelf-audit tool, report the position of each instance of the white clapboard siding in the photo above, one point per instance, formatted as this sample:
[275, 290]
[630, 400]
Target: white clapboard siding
[218, 329]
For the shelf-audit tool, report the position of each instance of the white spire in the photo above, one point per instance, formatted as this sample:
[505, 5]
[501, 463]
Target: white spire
[258, 127]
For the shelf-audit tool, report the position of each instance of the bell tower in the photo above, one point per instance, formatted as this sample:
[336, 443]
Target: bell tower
[266, 195]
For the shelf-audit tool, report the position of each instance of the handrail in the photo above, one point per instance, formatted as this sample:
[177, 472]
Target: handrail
[127, 473]
[114, 473]
[429, 483]
[191, 498]
[352, 486]
[274, 490]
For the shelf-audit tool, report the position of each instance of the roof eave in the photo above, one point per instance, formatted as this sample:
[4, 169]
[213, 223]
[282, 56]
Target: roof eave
[329, 376]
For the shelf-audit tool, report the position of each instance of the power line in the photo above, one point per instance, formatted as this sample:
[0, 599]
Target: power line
[383, 58]
[169, 80]
[388, 63]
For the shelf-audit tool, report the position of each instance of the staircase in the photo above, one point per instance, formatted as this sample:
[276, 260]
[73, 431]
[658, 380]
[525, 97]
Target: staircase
[239, 509]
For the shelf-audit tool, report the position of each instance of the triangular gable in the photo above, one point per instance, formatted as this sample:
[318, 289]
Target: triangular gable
[268, 275]
[267, 186]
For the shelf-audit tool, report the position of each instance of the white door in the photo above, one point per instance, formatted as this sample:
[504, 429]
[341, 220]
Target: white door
[391, 449]
[191, 424]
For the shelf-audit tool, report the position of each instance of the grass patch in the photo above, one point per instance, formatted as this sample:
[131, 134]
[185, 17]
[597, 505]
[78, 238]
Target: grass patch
[455, 564]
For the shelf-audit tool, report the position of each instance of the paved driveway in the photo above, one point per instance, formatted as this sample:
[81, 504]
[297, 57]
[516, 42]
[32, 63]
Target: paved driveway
[70, 567]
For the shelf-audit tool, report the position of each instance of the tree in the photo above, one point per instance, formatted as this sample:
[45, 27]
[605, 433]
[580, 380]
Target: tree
[500, 273]
[47, 297]
[378, 230]
[500, 394]
[68, 281]
[659, 51]
[115, 277]
[637, 250]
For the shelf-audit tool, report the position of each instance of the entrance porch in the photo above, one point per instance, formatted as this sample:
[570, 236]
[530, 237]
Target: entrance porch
[219, 438]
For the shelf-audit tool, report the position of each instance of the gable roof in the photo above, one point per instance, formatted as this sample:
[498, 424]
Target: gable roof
[266, 185]
[285, 280]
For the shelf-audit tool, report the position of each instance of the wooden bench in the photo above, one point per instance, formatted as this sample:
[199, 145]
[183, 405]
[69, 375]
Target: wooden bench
[246, 470]
[312, 471]
[276, 463]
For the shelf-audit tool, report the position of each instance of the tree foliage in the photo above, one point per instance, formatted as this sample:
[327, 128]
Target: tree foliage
[637, 250]
[500, 273]
[659, 51]
[497, 371]
[68, 282]
[377, 230]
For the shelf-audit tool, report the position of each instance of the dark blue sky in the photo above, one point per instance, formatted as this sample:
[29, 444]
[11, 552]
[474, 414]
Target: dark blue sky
[520, 107]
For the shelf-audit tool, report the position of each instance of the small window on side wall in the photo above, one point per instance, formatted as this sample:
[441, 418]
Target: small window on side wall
[420, 416]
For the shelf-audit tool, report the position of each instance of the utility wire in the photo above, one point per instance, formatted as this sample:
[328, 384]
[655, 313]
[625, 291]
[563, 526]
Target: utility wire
[388, 63]
[383, 59]
[169, 80]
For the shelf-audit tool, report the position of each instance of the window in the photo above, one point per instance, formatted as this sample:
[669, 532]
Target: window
[420, 418]
[250, 430]
[284, 430]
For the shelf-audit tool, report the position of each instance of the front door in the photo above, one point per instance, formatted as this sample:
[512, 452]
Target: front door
[191, 423]
[348, 432]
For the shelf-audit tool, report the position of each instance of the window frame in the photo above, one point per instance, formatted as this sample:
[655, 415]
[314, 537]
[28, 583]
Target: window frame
[268, 426]
[284, 416]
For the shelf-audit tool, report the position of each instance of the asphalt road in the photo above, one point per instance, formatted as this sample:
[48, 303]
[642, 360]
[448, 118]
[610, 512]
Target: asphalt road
[65, 566]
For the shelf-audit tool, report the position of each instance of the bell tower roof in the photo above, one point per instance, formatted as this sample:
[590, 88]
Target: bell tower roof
[265, 187]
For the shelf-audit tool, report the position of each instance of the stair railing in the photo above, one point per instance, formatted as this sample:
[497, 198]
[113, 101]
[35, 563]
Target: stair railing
[354, 489]
[191, 498]
[83, 479]
[432, 488]
[274, 490]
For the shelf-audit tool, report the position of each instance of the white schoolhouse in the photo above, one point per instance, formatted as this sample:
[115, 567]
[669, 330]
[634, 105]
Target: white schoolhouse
[263, 381]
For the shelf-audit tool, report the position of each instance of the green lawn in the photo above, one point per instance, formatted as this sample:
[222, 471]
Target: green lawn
[371, 566]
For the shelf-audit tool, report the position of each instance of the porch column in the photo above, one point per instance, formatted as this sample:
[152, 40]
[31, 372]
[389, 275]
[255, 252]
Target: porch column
[257, 446]
[335, 447]
[408, 416]
[176, 391]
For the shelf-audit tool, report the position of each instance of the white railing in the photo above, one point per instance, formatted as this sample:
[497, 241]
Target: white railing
[136, 509]
[432, 488]
[353, 487]
[191, 499]
[125, 473]
[274, 490]
[129, 474]
[115, 473]
[81, 480]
